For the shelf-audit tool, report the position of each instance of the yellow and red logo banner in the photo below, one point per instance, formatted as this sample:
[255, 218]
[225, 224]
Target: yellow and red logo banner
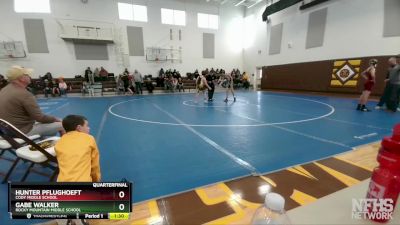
[345, 73]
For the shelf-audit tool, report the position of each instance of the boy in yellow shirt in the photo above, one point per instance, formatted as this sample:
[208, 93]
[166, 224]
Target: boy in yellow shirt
[77, 152]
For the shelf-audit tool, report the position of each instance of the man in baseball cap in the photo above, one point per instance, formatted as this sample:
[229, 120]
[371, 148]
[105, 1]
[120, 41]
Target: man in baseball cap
[19, 107]
[16, 72]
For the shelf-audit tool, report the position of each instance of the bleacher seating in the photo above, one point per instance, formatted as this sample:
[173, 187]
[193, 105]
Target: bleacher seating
[110, 86]
[107, 87]
[97, 88]
[74, 83]
[189, 84]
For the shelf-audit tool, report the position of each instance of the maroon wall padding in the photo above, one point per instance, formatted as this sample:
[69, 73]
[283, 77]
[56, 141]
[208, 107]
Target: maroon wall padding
[316, 76]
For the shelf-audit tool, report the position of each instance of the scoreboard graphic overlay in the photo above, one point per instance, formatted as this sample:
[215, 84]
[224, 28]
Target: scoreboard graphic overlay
[69, 200]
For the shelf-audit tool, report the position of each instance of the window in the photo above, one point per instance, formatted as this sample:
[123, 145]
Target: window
[32, 6]
[174, 17]
[167, 16]
[125, 11]
[132, 12]
[202, 20]
[140, 13]
[207, 21]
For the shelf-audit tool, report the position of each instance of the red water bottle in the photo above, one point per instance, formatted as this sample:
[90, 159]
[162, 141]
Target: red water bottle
[384, 187]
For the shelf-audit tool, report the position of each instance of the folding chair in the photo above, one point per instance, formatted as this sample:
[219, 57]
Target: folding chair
[5, 146]
[44, 157]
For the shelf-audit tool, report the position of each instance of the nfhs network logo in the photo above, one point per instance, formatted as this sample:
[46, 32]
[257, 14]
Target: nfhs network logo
[368, 208]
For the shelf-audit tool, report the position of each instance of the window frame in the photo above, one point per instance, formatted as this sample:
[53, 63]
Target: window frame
[134, 10]
[174, 20]
[26, 6]
[210, 24]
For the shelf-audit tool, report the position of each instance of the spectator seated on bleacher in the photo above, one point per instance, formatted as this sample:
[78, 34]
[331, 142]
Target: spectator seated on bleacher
[96, 74]
[174, 83]
[149, 85]
[196, 74]
[48, 88]
[189, 76]
[245, 81]
[221, 73]
[38, 83]
[180, 85]
[87, 89]
[176, 74]
[47, 76]
[62, 86]
[103, 74]
[120, 85]
[84, 88]
[168, 83]
[237, 80]
[212, 70]
[160, 81]
[56, 89]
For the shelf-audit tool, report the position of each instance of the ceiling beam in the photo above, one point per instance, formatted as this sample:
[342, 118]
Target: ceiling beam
[240, 2]
[254, 4]
[224, 1]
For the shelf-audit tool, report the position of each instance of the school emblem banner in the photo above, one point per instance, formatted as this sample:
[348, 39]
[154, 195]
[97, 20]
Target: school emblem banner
[345, 73]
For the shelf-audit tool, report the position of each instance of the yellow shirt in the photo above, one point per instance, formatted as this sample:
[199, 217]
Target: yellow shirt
[78, 158]
[245, 77]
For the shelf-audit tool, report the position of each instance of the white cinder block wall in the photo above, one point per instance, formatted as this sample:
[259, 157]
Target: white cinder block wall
[61, 58]
[354, 28]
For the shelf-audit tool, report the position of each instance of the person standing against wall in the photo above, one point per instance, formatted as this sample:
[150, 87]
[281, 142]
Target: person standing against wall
[88, 74]
[138, 82]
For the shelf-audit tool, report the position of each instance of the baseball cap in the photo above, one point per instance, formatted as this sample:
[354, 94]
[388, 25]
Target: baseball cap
[18, 71]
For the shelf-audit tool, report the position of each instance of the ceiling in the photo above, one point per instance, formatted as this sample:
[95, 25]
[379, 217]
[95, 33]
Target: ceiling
[245, 3]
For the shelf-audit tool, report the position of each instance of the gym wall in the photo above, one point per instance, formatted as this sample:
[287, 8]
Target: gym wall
[338, 75]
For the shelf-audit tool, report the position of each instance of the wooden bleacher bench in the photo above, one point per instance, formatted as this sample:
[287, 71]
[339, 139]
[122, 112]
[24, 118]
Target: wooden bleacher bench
[74, 83]
[189, 84]
[109, 86]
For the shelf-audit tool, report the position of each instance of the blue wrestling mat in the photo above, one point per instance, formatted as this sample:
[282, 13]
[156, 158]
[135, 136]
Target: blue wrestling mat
[166, 144]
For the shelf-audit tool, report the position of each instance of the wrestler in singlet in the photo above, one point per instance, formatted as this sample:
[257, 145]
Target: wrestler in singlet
[370, 81]
[369, 76]
[200, 83]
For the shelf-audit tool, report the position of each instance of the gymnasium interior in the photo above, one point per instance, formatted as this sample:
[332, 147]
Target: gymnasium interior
[287, 123]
